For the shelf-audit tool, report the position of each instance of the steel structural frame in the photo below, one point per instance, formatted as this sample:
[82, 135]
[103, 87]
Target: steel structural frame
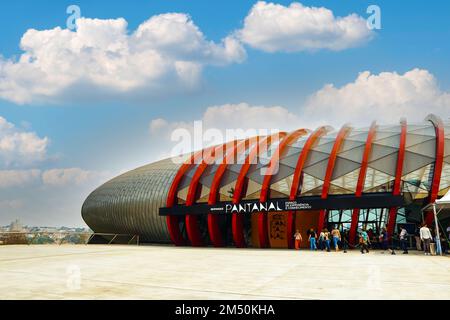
[237, 221]
[329, 172]
[192, 227]
[438, 164]
[286, 139]
[398, 177]
[173, 221]
[263, 235]
[296, 179]
[361, 180]
[215, 234]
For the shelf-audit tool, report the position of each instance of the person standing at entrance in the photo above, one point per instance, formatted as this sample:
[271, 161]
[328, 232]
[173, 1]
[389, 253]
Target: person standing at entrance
[364, 241]
[417, 238]
[336, 234]
[298, 239]
[404, 239]
[312, 239]
[425, 236]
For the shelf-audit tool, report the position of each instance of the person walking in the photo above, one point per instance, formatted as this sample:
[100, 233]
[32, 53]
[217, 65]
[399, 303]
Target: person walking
[364, 241]
[312, 240]
[417, 238]
[321, 240]
[336, 234]
[425, 236]
[344, 240]
[326, 239]
[298, 239]
[384, 240]
[404, 239]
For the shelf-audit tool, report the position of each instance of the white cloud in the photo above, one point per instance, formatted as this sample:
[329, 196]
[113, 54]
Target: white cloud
[218, 124]
[245, 116]
[71, 176]
[387, 97]
[52, 177]
[166, 52]
[273, 27]
[232, 116]
[18, 178]
[19, 147]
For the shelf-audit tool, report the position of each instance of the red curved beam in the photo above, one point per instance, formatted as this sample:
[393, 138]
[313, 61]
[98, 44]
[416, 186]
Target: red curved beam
[296, 179]
[213, 219]
[271, 170]
[173, 221]
[439, 162]
[361, 181]
[192, 227]
[329, 173]
[237, 221]
[398, 177]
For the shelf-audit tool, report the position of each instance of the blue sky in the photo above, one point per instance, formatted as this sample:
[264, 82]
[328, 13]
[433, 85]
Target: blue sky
[100, 136]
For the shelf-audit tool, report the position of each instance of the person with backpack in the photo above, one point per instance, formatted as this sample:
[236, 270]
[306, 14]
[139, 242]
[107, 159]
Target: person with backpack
[364, 241]
[404, 239]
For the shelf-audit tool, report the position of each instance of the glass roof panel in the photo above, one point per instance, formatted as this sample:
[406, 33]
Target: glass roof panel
[414, 161]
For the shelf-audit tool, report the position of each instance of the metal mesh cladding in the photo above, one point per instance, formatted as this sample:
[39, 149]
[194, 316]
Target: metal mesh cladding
[129, 203]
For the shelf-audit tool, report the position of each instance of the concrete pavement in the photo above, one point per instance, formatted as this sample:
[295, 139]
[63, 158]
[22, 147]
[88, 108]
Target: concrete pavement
[166, 272]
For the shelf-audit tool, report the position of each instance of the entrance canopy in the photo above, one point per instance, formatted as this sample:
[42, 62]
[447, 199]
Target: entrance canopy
[443, 206]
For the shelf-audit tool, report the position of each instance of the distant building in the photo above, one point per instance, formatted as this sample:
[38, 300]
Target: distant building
[16, 226]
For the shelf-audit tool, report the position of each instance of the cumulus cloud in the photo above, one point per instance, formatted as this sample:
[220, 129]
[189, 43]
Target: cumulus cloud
[387, 96]
[18, 178]
[218, 124]
[235, 116]
[273, 27]
[71, 176]
[20, 147]
[101, 56]
[60, 177]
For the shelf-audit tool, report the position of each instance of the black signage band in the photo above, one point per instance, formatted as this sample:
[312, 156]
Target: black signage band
[338, 202]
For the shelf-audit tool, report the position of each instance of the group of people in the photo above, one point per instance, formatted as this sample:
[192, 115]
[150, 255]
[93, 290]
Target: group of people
[325, 240]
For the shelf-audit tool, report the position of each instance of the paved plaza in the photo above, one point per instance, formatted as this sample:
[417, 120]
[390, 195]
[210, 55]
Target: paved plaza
[166, 272]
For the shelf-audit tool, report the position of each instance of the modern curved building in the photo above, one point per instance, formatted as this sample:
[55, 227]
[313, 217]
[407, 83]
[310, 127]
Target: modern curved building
[257, 192]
